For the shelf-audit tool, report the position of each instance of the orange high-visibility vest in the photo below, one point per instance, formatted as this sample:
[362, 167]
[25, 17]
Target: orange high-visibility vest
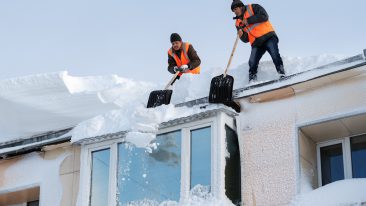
[254, 31]
[183, 59]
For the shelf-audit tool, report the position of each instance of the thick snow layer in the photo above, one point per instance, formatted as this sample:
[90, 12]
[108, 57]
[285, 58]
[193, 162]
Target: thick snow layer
[196, 86]
[142, 123]
[40, 103]
[344, 192]
[134, 117]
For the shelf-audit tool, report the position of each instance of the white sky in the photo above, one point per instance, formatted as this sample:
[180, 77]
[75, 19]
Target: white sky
[131, 38]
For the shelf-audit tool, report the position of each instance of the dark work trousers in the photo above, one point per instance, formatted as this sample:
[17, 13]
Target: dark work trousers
[271, 45]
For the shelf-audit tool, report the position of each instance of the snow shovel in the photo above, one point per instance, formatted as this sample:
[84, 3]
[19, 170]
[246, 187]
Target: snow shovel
[221, 89]
[159, 97]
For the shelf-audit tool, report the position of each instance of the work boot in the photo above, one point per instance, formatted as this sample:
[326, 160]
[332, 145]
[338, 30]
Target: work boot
[281, 72]
[281, 76]
[252, 78]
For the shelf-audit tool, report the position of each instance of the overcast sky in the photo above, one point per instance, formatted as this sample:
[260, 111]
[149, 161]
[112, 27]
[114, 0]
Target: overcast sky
[131, 38]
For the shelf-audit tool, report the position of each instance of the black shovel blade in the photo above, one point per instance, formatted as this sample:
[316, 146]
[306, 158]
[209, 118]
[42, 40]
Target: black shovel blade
[221, 89]
[159, 97]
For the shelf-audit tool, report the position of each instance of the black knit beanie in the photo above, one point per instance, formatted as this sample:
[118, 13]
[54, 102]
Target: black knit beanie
[175, 37]
[236, 3]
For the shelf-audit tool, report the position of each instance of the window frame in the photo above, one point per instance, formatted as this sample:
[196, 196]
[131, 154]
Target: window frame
[218, 147]
[347, 157]
[186, 149]
[89, 149]
[190, 151]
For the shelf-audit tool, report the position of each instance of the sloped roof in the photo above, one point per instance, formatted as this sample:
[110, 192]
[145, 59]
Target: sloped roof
[37, 142]
[46, 102]
[305, 76]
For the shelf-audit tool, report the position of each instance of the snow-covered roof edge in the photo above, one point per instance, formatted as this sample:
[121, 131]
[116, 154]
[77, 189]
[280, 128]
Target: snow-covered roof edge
[163, 125]
[318, 72]
[305, 76]
[35, 143]
[8, 149]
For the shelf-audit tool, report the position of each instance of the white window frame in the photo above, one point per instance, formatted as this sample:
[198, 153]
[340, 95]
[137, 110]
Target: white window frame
[186, 150]
[218, 148]
[346, 151]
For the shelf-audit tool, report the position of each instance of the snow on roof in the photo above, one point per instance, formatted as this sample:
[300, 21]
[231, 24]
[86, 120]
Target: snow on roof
[194, 87]
[141, 123]
[40, 103]
[100, 105]
[335, 67]
[194, 115]
[268, 79]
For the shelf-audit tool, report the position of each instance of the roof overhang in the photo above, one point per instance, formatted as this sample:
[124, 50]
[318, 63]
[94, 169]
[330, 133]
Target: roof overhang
[336, 127]
[179, 121]
[328, 73]
[32, 144]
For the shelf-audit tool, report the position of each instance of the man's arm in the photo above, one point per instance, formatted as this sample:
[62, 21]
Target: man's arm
[244, 38]
[260, 15]
[195, 60]
[171, 64]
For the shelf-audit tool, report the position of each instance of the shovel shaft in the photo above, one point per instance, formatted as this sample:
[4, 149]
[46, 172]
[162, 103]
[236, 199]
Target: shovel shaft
[232, 54]
[171, 81]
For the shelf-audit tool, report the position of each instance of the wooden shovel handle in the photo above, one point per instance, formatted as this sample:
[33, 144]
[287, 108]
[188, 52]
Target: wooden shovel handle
[232, 54]
[171, 81]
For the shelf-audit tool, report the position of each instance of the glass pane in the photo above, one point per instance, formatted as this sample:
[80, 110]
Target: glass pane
[151, 176]
[232, 168]
[332, 163]
[201, 157]
[358, 149]
[100, 178]
[33, 203]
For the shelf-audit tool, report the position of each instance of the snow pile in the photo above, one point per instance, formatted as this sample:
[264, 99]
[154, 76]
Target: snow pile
[40, 103]
[198, 196]
[201, 195]
[141, 123]
[196, 86]
[345, 192]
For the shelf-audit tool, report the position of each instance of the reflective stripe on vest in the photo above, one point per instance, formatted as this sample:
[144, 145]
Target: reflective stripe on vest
[183, 59]
[256, 30]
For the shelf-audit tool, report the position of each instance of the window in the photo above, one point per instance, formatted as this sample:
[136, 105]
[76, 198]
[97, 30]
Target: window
[33, 203]
[100, 177]
[25, 197]
[154, 176]
[332, 163]
[342, 159]
[232, 168]
[115, 172]
[358, 155]
[201, 157]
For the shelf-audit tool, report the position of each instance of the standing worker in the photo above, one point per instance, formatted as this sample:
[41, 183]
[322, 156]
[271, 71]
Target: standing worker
[253, 26]
[182, 57]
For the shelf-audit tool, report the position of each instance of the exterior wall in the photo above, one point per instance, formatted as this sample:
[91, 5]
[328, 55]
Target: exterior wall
[70, 175]
[267, 149]
[308, 164]
[55, 171]
[273, 164]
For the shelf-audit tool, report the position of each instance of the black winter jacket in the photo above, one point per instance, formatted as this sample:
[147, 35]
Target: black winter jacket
[260, 15]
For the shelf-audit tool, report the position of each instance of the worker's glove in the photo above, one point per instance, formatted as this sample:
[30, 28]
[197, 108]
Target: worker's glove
[184, 68]
[176, 69]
